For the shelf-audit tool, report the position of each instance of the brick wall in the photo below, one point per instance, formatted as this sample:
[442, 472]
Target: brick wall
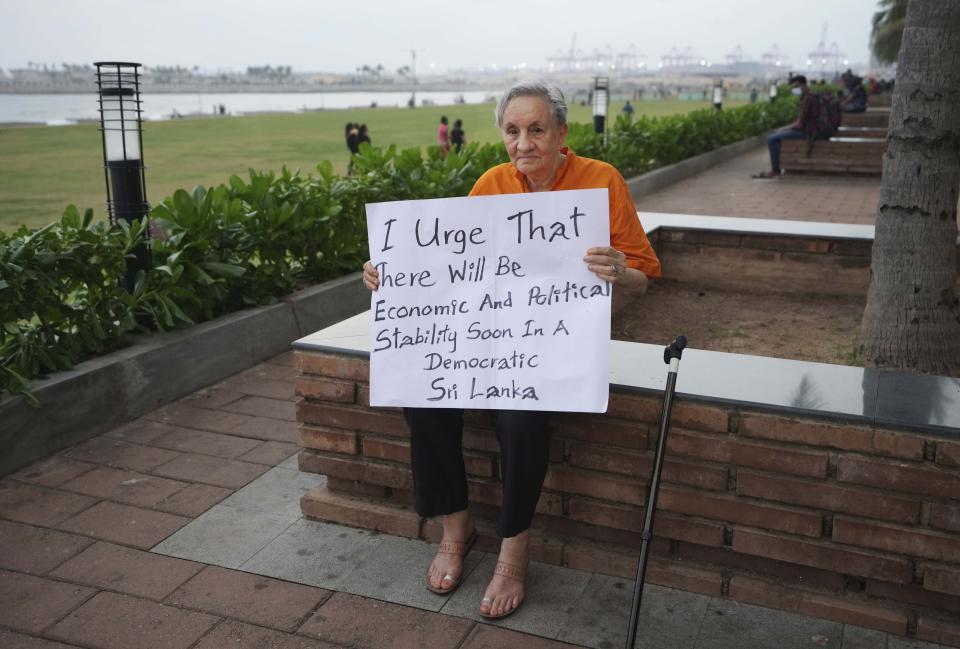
[840, 521]
[759, 262]
[748, 261]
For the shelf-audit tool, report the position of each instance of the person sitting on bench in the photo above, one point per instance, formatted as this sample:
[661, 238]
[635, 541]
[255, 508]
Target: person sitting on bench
[856, 100]
[804, 128]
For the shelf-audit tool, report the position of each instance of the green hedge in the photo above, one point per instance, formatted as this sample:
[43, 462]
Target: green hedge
[241, 244]
[59, 297]
[636, 146]
[251, 241]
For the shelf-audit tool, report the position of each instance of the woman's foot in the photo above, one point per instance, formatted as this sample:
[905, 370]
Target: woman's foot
[459, 534]
[505, 591]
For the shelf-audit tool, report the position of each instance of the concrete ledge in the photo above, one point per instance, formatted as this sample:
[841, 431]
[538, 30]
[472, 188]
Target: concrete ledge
[102, 393]
[312, 309]
[660, 178]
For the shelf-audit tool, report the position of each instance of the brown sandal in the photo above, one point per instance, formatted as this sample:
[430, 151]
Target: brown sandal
[457, 549]
[510, 572]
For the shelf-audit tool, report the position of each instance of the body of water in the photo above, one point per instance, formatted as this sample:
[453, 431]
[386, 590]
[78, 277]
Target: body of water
[67, 109]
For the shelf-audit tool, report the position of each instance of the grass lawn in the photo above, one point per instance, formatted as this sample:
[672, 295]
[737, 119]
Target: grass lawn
[45, 168]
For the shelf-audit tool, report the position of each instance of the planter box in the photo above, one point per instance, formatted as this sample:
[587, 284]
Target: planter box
[821, 515]
[820, 489]
[102, 393]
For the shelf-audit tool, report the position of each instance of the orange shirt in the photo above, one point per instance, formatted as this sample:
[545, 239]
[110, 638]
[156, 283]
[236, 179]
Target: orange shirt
[626, 232]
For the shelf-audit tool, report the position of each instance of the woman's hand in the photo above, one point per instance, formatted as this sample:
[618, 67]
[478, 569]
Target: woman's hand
[608, 263]
[371, 278]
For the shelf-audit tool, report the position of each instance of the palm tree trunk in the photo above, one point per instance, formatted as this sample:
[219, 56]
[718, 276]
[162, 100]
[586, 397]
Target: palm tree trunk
[912, 318]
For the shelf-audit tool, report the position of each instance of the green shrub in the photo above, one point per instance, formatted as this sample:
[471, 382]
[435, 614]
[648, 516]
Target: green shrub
[59, 295]
[241, 244]
[636, 146]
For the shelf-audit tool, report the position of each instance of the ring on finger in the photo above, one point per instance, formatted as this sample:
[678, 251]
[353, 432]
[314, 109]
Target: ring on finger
[614, 270]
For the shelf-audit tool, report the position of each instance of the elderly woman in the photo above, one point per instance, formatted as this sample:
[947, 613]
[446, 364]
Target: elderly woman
[532, 117]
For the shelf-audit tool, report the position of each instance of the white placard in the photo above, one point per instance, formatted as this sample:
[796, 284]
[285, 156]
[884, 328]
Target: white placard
[486, 302]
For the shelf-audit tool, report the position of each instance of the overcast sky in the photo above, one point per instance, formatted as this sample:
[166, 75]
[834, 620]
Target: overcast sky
[340, 35]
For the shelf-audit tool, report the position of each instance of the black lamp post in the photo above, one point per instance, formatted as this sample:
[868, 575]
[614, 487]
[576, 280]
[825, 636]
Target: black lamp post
[118, 86]
[601, 100]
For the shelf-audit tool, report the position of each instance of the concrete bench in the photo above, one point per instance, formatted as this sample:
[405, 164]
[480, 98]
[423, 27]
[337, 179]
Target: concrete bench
[839, 155]
[870, 119]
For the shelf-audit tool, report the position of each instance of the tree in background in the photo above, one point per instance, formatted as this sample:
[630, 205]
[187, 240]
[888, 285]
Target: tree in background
[888, 29]
[912, 318]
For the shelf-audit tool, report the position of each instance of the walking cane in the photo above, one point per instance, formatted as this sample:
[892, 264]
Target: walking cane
[671, 356]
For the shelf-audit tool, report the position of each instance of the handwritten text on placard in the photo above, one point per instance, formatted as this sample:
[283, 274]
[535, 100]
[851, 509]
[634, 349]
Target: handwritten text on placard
[485, 302]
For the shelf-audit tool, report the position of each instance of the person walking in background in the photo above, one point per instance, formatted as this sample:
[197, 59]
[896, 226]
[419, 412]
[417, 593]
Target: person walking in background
[353, 144]
[353, 138]
[753, 95]
[628, 109]
[457, 137]
[443, 137]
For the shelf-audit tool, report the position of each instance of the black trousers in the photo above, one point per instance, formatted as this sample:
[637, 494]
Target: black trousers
[439, 477]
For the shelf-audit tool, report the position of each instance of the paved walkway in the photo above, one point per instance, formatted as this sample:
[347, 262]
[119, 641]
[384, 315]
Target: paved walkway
[728, 190]
[182, 530]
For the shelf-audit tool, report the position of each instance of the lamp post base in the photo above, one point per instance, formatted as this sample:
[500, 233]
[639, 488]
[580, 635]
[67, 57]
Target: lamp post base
[128, 202]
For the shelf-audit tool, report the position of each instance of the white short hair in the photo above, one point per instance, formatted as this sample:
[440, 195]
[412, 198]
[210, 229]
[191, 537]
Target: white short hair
[535, 88]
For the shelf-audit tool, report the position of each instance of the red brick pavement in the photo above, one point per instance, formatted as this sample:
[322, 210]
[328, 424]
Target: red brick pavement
[75, 529]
